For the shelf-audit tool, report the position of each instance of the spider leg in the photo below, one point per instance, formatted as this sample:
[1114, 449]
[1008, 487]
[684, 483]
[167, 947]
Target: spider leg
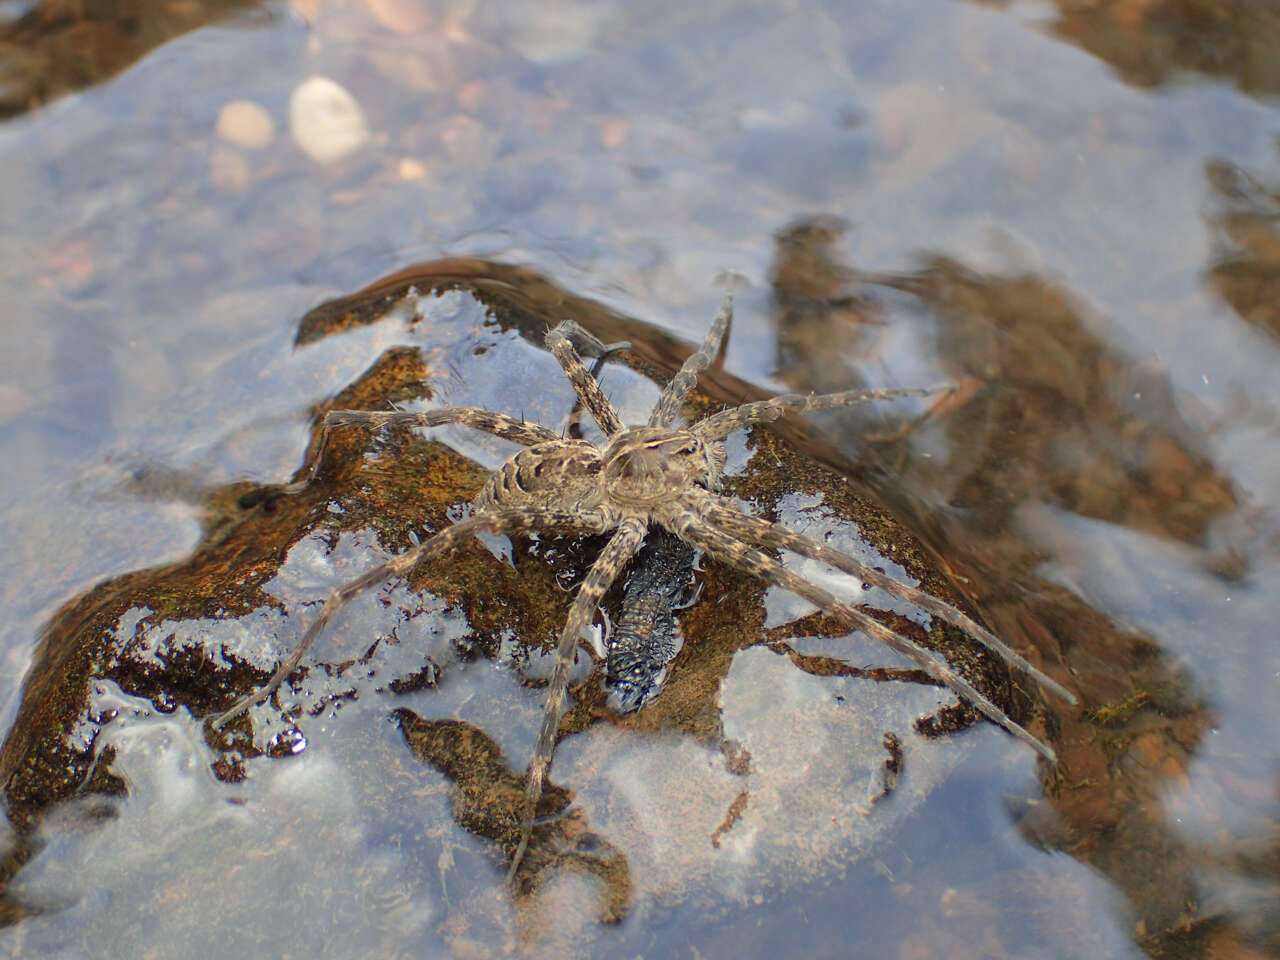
[605, 351]
[764, 534]
[720, 425]
[503, 520]
[500, 425]
[669, 403]
[584, 384]
[683, 520]
[587, 344]
[609, 564]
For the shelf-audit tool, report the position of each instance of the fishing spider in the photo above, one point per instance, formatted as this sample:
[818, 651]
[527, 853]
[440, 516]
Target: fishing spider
[656, 475]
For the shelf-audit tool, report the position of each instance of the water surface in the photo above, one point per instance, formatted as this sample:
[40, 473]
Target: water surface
[1069, 212]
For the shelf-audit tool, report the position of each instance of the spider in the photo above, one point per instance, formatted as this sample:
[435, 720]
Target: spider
[652, 476]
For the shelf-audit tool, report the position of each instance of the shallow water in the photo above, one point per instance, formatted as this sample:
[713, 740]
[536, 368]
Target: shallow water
[1069, 214]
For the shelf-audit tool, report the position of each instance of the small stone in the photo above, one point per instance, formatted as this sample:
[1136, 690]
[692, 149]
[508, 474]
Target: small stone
[402, 16]
[410, 169]
[245, 124]
[407, 69]
[325, 120]
[614, 132]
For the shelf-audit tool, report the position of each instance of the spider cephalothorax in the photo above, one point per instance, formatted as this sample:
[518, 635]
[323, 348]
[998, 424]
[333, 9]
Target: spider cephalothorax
[655, 476]
[648, 466]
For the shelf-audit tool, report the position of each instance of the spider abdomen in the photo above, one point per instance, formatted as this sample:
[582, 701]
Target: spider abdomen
[555, 474]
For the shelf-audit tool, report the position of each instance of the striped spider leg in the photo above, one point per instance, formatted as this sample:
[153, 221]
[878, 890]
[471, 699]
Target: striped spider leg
[666, 477]
[651, 476]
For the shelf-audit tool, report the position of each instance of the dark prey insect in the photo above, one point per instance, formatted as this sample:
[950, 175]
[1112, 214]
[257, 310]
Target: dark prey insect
[646, 636]
[660, 476]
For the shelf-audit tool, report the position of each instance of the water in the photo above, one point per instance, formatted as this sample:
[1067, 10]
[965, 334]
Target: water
[1071, 215]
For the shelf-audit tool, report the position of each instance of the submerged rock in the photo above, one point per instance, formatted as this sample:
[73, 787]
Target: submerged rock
[325, 120]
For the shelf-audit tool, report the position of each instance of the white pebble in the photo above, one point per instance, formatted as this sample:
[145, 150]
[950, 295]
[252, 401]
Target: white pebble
[245, 124]
[325, 120]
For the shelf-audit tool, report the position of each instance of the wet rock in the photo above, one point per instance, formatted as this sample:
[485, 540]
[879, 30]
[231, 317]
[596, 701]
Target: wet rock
[750, 777]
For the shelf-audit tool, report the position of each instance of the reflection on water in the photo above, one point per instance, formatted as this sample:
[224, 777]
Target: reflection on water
[1150, 43]
[1052, 417]
[1066, 209]
[1245, 211]
[51, 48]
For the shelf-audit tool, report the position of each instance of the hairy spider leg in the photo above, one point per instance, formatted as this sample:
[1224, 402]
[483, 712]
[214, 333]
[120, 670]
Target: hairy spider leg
[498, 424]
[603, 353]
[503, 520]
[585, 385]
[609, 564]
[720, 425]
[684, 519]
[674, 393]
[765, 534]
